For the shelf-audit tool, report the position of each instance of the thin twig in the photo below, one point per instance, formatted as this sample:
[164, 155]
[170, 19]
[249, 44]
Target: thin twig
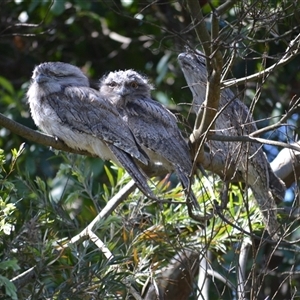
[225, 280]
[292, 50]
[28, 25]
[280, 122]
[88, 231]
[106, 211]
[250, 139]
[23, 278]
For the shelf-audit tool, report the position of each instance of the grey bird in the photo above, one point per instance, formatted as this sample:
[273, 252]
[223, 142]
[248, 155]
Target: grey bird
[63, 105]
[153, 125]
[234, 119]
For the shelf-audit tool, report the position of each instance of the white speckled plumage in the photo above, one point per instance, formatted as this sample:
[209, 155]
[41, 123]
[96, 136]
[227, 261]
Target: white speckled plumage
[63, 105]
[153, 125]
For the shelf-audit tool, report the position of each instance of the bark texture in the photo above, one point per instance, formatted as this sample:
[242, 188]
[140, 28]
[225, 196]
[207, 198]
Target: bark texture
[246, 159]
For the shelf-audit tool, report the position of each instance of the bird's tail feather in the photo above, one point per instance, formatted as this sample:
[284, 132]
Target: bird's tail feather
[185, 181]
[267, 206]
[277, 186]
[133, 170]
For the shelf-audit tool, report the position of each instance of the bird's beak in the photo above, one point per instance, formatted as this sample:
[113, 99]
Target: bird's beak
[123, 91]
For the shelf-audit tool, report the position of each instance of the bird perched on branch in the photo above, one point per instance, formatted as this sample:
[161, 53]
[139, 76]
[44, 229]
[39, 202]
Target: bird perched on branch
[234, 119]
[63, 105]
[154, 126]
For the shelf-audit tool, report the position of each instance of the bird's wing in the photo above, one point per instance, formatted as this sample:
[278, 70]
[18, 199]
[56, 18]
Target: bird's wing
[133, 170]
[83, 110]
[155, 128]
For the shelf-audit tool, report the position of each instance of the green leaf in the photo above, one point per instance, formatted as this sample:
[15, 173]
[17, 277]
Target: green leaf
[83, 4]
[41, 184]
[162, 67]
[6, 85]
[9, 264]
[110, 176]
[120, 174]
[73, 196]
[106, 191]
[58, 7]
[10, 288]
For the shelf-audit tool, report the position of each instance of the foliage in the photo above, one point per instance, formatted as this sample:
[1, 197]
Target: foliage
[141, 236]
[47, 198]
[7, 219]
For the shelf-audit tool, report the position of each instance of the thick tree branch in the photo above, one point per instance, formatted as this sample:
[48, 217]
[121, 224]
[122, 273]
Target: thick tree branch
[283, 166]
[223, 8]
[50, 141]
[203, 280]
[286, 165]
[36, 137]
[198, 22]
[214, 64]
[242, 265]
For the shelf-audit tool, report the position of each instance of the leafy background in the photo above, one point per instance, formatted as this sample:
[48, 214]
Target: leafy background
[47, 197]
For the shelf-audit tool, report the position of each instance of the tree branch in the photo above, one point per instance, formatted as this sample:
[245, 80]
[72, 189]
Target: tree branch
[225, 7]
[50, 141]
[250, 139]
[88, 232]
[199, 25]
[286, 165]
[241, 272]
[105, 212]
[36, 137]
[292, 50]
[214, 64]
[280, 122]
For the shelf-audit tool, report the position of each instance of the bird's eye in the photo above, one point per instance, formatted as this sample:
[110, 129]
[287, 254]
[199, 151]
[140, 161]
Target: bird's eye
[112, 84]
[134, 84]
[56, 74]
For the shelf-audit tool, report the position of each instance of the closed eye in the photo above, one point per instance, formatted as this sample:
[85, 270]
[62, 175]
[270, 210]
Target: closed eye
[51, 73]
[58, 75]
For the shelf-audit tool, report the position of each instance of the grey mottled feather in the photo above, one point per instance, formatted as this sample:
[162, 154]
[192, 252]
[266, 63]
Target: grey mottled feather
[236, 120]
[83, 110]
[154, 126]
[63, 105]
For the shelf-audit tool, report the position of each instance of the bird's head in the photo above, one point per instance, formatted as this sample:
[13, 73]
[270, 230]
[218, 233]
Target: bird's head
[193, 66]
[52, 77]
[120, 86]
